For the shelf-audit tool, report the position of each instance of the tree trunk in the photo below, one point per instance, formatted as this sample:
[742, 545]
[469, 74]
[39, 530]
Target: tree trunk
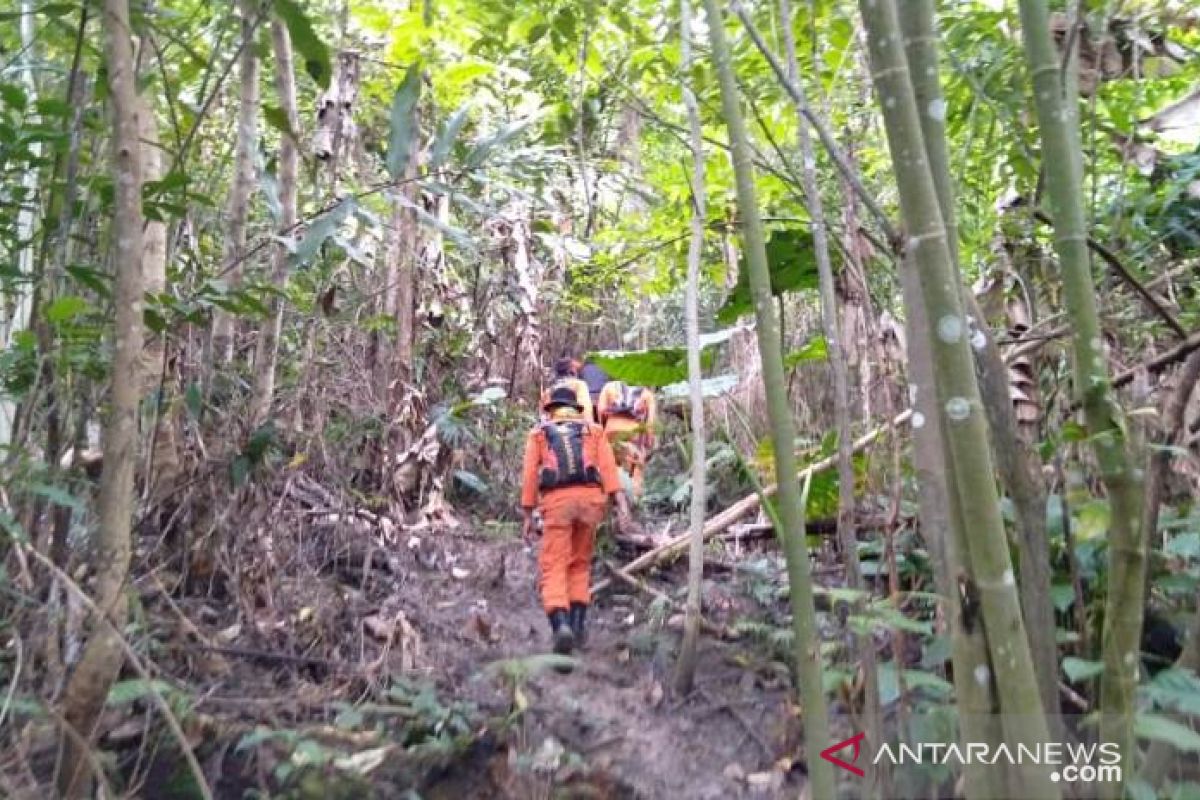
[238, 205]
[957, 394]
[686, 668]
[944, 531]
[101, 661]
[400, 272]
[847, 534]
[1019, 470]
[267, 353]
[807, 644]
[1061, 153]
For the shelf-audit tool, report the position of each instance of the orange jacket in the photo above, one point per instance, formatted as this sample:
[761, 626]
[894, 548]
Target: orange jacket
[597, 451]
[610, 396]
[582, 395]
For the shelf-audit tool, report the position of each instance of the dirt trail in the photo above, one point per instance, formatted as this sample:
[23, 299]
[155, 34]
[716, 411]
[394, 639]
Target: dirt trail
[614, 711]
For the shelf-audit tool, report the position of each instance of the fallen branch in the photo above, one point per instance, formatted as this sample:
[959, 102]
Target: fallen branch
[724, 519]
[710, 628]
[1114, 263]
[1162, 360]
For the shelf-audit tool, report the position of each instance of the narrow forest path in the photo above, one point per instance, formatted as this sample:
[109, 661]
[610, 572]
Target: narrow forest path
[612, 716]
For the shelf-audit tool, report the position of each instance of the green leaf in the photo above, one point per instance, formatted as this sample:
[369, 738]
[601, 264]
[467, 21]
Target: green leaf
[1163, 729]
[1077, 669]
[447, 136]
[276, 117]
[1174, 690]
[484, 147]
[306, 42]
[471, 481]
[1093, 520]
[403, 121]
[321, 229]
[1062, 595]
[65, 308]
[194, 400]
[99, 282]
[654, 368]
[793, 265]
[125, 692]
[57, 495]
[815, 349]
[13, 96]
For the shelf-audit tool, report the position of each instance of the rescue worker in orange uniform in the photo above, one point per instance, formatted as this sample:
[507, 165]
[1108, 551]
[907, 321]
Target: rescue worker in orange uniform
[628, 414]
[566, 374]
[569, 473]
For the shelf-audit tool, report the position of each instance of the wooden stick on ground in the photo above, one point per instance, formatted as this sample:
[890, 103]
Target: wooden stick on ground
[710, 628]
[724, 519]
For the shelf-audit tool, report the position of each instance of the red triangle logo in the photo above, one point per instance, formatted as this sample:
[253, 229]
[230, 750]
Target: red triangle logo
[828, 754]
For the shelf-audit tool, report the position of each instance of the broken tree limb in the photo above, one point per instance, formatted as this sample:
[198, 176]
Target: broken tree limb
[724, 519]
[710, 628]
[1114, 263]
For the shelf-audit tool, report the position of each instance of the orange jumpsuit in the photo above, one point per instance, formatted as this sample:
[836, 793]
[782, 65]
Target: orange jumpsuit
[632, 439]
[582, 395]
[570, 514]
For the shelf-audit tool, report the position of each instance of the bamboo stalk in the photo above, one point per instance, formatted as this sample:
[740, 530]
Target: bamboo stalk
[809, 669]
[957, 392]
[1061, 149]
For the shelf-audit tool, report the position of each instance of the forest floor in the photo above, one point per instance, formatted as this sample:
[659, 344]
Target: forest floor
[426, 674]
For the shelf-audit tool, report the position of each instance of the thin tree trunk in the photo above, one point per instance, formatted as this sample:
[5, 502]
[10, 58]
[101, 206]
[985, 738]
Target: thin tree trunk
[1018, 467]
[686, 668]
[958, 395]
[807, 644]
[1118, 469]
[238, 205]
[847, 535]
[101, 661]
[267, 353]
[944, 531]
[400, 271]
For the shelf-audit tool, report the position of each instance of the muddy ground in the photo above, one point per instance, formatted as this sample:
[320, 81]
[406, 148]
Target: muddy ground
[290, 658]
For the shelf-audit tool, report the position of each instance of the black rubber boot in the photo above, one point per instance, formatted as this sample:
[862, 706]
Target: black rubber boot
[579, 622]
[560, 628]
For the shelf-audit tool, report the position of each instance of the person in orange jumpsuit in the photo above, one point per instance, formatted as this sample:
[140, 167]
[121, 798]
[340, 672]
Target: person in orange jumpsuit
[628, 414]
[569, 473]
[566, 374]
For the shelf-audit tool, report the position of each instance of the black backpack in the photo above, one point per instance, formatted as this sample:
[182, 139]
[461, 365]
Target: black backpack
[570, 466]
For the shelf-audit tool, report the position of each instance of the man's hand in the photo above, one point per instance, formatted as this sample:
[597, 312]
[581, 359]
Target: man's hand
[528, 528]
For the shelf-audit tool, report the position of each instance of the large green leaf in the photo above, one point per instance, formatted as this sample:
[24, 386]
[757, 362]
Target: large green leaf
[446, 137]
[1163, 729]
[793, 268]
[306, 42]
[815, 349]
[484, 147]
[1078, 669]
[321, 229]
[403, 121]
[656, 368]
